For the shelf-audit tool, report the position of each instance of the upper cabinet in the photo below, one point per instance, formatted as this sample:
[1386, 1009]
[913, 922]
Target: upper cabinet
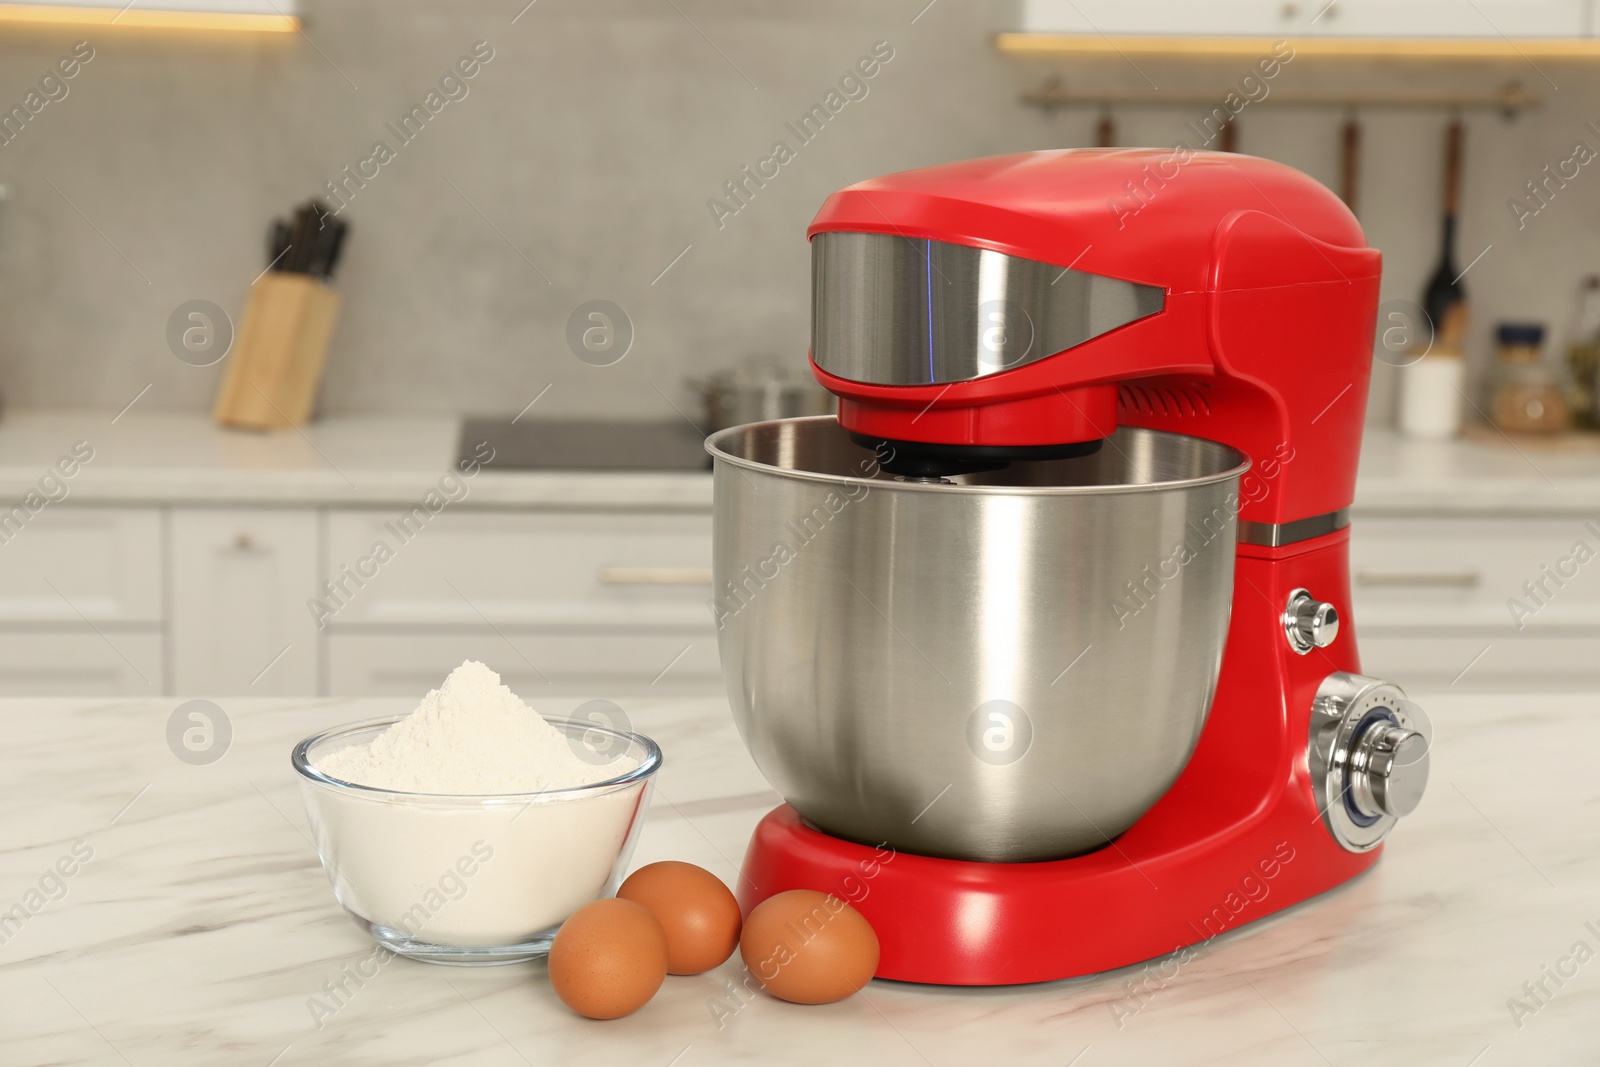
[268, 16]
[1218, 18]
[1497, 19]
[1449, 18]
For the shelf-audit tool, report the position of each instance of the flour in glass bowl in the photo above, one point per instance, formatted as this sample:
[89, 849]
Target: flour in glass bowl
[470, 736]
[481, 843]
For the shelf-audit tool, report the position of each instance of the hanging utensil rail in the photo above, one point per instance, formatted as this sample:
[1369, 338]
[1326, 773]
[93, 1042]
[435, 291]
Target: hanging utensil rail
[1510, 100]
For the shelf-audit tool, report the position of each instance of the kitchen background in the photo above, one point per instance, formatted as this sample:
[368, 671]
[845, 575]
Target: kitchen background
[578, 163]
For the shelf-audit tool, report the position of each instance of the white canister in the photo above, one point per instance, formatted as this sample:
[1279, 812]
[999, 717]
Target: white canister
[1430, 397]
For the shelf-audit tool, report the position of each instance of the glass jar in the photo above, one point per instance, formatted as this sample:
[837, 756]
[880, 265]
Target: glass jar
[1529, 394]
[1583, 356]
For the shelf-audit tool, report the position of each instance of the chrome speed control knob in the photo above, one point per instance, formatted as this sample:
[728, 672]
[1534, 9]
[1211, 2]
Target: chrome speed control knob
[1309, 623]
[1368, 756]
[1388, 771]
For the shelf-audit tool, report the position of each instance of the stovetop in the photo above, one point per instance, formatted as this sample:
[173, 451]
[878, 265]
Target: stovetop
[584, 445]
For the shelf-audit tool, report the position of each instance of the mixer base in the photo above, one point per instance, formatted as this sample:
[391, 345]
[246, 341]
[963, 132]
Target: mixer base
[1237, 837]
[955, 922]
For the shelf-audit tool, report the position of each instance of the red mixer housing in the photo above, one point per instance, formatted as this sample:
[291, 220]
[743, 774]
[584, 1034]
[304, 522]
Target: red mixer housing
[1263, 342]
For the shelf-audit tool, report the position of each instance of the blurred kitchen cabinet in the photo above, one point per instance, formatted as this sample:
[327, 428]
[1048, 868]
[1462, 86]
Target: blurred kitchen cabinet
[110, 661]
[81, 565]
[603, 603]
[1291, 18]
[541, 666]
[1463, 660]
[81, 602]
[240, 583]
[293, 601]
[639, 570]
[1448, 18]
[1219, 18]
[1428, 573]
[1436, 601]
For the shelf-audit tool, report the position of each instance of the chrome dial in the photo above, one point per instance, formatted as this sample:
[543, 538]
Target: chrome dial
[1309, 623]
[1369, 757]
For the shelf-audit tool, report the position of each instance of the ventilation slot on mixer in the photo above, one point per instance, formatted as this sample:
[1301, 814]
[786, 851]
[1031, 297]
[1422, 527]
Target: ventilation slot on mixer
[1163, 401]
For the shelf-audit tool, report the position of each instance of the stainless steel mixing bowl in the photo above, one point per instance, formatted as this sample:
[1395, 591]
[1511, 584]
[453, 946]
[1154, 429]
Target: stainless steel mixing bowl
[1011, 667]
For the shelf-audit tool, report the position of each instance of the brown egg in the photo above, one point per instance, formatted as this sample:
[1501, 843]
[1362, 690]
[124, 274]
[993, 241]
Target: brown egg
[809, 947]
[608, 959]
[696, 910]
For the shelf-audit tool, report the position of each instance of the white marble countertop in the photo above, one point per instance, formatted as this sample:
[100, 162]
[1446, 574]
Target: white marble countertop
[201, 924]
[156, 457]
[1486, 473]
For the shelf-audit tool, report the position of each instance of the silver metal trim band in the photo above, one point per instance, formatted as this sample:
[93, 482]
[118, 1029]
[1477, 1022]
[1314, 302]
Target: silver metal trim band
[895, 310]
[1276, 535]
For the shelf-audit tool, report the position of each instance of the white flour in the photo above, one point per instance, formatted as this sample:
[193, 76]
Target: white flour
[472, 735]
[487, 871]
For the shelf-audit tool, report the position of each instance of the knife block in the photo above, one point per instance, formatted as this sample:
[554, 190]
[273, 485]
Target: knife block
[276, 366]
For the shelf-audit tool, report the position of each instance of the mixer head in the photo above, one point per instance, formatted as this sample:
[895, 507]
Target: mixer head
[1023, 307]
[894, 310]
[901, 312]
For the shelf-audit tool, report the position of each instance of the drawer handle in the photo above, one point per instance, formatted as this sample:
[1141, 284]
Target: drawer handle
[1449, 579]
[654, 575]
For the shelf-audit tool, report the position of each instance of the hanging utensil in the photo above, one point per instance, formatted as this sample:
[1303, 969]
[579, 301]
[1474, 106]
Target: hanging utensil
[1105, 131]
[1445, 298]
[1350, 161]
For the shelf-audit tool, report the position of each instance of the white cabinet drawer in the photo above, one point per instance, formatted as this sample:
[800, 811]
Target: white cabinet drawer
[534, 665]
[74, 563]
[240, 582]
[1466, 660]
[1426, 575]
[80, 663]
[467, 568]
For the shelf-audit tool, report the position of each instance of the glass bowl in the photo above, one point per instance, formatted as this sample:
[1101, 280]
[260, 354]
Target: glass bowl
[463, 879]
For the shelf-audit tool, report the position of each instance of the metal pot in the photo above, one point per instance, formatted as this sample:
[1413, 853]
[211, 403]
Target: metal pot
[1008, 666]
[730, 398]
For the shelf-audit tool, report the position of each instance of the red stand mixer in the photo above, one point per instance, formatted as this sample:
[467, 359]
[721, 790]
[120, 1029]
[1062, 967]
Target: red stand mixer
[1046, 640]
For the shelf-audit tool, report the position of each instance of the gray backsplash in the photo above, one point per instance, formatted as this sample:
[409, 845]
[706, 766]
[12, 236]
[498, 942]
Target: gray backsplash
[579, 164]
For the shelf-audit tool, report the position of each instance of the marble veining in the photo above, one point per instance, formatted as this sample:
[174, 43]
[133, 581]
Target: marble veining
[197, 927]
